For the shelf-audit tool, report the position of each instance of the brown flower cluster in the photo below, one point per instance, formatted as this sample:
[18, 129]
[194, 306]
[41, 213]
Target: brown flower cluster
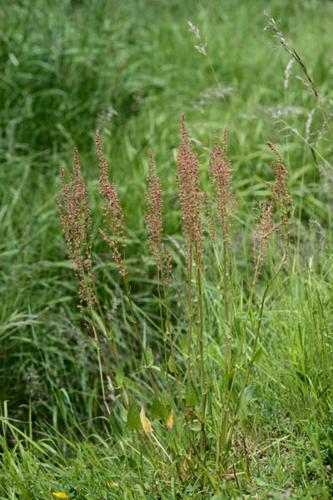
[262, 234]
[113, 216]
[220, 173]
[189, 188]
[283, 202]
[75, 215]
[280, 193]
[153, 216]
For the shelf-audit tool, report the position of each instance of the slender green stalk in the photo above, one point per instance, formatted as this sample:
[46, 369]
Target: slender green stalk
[190, 315]
[201, 350]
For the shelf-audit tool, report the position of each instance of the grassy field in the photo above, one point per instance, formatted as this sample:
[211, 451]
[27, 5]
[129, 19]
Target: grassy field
[213, 376]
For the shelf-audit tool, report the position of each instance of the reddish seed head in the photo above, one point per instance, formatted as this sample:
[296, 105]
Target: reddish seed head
[189, 188]
[280, 192]
[262, 233]
[220, 173]
[153, 217]
[75, 215]
[113, 216]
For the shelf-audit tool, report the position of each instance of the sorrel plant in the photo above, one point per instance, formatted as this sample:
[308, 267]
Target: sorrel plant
[184, 375]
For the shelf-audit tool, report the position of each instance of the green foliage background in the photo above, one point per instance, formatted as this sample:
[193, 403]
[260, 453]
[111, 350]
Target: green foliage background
[130, 68]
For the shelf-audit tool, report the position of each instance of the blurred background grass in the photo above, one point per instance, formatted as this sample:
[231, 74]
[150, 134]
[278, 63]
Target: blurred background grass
[130, 68]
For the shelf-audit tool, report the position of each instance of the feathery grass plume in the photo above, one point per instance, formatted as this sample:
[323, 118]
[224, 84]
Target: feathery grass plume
[113, 216]
[307, 81]
[75, 215]
[280, 192]
[201, 45]
[287, 73]
[262, 234]
[220, 173]
[153, 216]
[189, 188]
[308, 125]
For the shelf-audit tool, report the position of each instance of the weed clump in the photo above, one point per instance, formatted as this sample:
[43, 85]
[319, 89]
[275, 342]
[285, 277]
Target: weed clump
[186, 376]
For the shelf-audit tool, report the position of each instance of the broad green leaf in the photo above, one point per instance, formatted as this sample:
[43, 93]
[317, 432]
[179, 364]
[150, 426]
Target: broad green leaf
[158, 410]
[190, 395]
[133, 417]
[258, 355]
[172, 365]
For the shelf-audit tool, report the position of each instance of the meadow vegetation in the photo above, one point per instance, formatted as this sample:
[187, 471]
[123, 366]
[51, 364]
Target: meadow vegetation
[166, 289]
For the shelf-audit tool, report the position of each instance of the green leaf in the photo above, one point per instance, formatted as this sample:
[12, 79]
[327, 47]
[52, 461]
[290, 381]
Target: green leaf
[245, 402]
[258, 355]
[172, 365]
[196, 427]
[190, 395]
[149, 357]
[304, 378]
[133, 417]
[158, 410]
[120, 377]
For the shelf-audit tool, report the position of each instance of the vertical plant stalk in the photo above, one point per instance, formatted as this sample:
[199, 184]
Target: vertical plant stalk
[75, 216]
[261, 239]
[191, 203]
[190, 200]
[283, 206]
[115, 235]
[113, 218]
[220, 176]
[201, 347]
[154, 225]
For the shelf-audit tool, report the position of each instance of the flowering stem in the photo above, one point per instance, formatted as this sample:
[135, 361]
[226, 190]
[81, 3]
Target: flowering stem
[137, 330]
[100, 369]
[201, 349]
[190, 313]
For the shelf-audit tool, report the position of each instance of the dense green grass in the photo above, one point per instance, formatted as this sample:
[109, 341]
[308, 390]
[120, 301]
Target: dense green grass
[130, 68]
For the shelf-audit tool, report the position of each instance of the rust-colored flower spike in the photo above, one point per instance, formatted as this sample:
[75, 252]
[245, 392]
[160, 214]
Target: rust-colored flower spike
[262, 234]
[209, 218]
[220, 173]
[189, 188]
[280, 193]
[153, 216]
[114, 232]
[75, 215]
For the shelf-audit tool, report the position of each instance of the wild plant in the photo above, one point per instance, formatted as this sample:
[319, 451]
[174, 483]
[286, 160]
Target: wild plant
[75, 215]
[207, 401]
